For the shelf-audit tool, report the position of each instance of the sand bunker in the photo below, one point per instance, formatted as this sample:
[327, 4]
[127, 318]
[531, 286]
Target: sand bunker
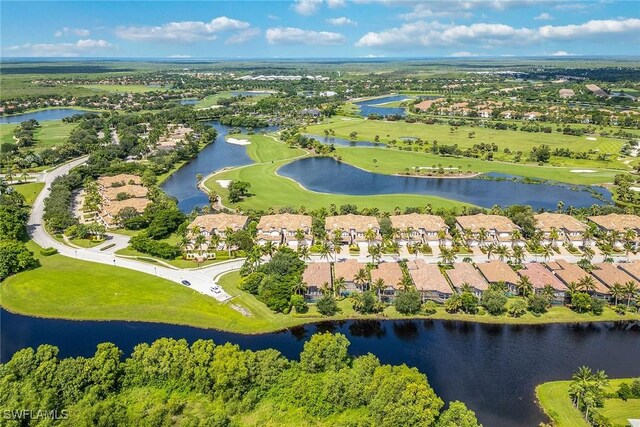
[582, 171]
[224, 183]
[590, 138]
[238, 141]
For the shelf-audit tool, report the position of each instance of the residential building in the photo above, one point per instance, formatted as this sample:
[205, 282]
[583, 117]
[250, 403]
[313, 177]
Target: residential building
[618, 223]
[128, 191]
[632, 269]
[540, 276]
[391, 275]
[481, 230]
[353, 228]
[558, 229]
[209, 226]
[464, 273]
[609, 275]
[317, 277]
[499, 272]
[571, 273]
[111, 210]
[348, 270]
[427, 229]
[118, 180]
[285, 229]
[429, 281]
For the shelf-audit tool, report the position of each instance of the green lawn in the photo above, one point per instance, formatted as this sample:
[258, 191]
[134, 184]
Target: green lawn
[391, 161]
[179, 262]
[514, 140]
[266, 148]
[556, 403]
[66, 288]
[29, 190]
[50, 134]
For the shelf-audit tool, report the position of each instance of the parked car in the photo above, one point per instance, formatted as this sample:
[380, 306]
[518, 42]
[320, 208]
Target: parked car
[186, 283]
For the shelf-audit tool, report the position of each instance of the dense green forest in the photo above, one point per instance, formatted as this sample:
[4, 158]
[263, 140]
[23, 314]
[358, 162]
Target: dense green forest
[203, 384]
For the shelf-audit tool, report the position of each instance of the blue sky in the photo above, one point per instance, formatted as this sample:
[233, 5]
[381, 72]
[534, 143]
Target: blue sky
[319, 28]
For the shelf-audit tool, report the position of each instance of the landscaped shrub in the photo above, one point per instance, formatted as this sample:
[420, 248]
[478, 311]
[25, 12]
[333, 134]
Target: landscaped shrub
[538, 304]
[494, 301]
[518, 308]
[327, 305]
[146, 245]
[48, 251]
[109, 246]
[597, 306]
[408, 302]
[429, 308]
[298, 302]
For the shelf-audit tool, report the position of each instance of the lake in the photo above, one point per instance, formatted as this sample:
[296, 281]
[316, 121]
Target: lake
[42, 115]
[369, 106]
[492, 368]
[319, 174]
[183, 185]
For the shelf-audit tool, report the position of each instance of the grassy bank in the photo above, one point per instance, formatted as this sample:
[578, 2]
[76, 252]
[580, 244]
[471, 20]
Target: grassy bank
[51, 133]
[29, 190]
[556, 403]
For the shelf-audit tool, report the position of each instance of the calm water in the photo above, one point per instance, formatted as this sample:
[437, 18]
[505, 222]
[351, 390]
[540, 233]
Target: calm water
[369, 106]
[188, 101]
[343, 142]
[493, 368]
[183, 185]
[319, 174]
[42, 116]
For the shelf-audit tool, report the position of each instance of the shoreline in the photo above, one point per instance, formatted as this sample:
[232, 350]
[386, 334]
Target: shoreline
[481, 320]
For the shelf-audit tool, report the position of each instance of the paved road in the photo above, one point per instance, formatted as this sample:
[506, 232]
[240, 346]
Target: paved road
[201, 280]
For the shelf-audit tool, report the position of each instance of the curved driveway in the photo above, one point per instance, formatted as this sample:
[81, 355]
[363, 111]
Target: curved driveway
[201, 279]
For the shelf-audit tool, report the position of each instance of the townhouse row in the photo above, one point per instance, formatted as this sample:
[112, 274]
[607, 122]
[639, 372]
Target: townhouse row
[118, 192]
[439, 285]
[295, 230]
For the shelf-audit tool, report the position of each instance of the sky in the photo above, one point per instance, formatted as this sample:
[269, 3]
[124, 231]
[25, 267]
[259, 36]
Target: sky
[319, 28]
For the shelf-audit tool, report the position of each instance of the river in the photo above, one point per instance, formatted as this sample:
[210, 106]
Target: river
[492, 368]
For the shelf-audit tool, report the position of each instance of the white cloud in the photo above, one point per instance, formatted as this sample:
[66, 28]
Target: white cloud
[561, 53]
[273, 17]
[455, 8]
[462, 54]
[335, 3]
[307, 7]
[183, 31]
[544, 17]
[54, 50]
[243, 36]
[66, 31]
[289, 35]
[426, 34]
[591, 28]
[343, 20]
[178, 56]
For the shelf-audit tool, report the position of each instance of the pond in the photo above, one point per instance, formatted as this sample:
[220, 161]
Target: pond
[319, 174]
[371, 106]
[188, 101]
[492, 368]
[42, 115]
[183, 185]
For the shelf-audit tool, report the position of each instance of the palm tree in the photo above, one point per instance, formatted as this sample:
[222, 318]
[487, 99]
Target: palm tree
[447, 255]
[214, 241]
[393, 247]
[184, 242]
[361, 278]
[370, 235]
[630, 235]
[588, 235]
[630, 290]
[199, 242]
[336, 243]
[254, 257]
[325, 250]
[548, 292]
[299, 287]
[516, 236]
[613, 237]
[587, 284]
[303, 253]
[442, 236]
[588, 253]
[375, 252]
[299, 236]
[503, 252]
[339, 285]
[518, 254]
[326, 290]
[465, 287]
[572, 289]
[628, 247]
[617, 291]
[547, 252]
[482, 236]
[416, 247]
[269, 248]
[490, 248]
[524, 286]
[554, 235]
[581, 379]
[377, 286]
[406, 283]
